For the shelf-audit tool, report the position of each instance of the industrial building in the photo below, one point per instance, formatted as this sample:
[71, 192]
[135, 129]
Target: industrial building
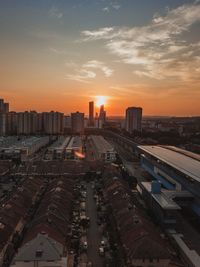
[177, 170]
[74, 149]
[102, 149]
[57, 149]
[173, 195]
[22, 148]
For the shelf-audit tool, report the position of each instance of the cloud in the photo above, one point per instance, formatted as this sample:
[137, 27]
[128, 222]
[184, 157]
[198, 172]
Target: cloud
[160, 49]
[112, 6]
[106, 9]
[97, 35]
[55, 13]
[85, 74]
[58, 51]
[116, 6]
[99, 65]
[82, 76]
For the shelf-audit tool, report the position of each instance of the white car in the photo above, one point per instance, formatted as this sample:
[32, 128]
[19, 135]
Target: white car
[101, 251]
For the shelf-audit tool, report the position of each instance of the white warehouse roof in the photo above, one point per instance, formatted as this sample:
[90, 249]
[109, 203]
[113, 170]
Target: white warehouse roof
[101, 143]
[177, 159]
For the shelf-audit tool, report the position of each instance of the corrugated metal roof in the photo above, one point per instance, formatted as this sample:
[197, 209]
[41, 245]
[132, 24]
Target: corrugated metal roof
[181, 162]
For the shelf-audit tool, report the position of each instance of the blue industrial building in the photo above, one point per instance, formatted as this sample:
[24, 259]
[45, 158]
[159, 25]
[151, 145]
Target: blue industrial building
[178, 173]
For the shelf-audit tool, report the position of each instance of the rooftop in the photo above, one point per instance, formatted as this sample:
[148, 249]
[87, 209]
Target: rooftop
[162, 199]
[75, 142]
[179, 159]
[101, 144]
[41, 248]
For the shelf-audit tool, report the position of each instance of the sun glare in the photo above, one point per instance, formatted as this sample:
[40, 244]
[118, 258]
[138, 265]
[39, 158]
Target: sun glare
[100, 100]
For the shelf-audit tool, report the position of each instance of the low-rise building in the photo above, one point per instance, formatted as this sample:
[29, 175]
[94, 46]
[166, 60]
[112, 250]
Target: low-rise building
[102, 149]
[24, 147]
[47, 242]
[74, 149]
[57, 149]
[140, 240]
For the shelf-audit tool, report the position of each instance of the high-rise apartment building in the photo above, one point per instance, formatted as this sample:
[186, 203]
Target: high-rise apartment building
[11, 123]
[4, 109]
[27, 122]
[91, 113]
[53, 122]
[133, 120]
[2, 123]
[77, 121]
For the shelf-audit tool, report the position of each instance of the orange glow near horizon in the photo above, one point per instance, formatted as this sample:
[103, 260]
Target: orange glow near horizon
[101, 100]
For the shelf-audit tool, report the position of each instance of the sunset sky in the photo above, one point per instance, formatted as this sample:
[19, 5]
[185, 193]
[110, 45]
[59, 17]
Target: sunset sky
[59, 55]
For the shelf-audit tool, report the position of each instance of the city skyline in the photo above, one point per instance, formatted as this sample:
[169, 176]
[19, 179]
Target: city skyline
[59, 55]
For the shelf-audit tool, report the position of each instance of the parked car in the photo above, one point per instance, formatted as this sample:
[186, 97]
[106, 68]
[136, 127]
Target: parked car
[101, 251]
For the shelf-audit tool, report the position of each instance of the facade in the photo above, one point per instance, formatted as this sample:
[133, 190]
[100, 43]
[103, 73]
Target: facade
[27, 122]
[11, 124]
[101, 148]
[77, 120]
[53, 122]
[133, 121]
[2, 124]
[91, 113]
[4, 107]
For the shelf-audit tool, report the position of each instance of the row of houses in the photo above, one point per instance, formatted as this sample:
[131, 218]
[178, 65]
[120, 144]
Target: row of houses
[140, 241]
[15, 214]
[47, 241]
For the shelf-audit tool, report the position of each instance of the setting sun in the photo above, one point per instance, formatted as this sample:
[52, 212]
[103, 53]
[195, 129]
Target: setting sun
[100, 100]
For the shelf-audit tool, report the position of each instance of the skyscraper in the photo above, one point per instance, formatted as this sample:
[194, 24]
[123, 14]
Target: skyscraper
[91, 113]
[4, 109]
[102, 116]
[133, 119]
[1, 105]
[77, 121]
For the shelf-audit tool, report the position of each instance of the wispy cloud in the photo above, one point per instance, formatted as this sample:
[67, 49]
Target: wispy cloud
[58, 51]
[159, 49]
[85, 74]
[111, 6]
[116, 6]
[55, 13]
[82, 76]
[106, 9]
[102, 33]
[95, 64]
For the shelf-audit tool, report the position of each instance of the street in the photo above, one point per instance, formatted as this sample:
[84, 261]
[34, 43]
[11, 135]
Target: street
[93, 235]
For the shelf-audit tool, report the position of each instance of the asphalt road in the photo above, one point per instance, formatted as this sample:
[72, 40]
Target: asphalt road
[93, 235]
